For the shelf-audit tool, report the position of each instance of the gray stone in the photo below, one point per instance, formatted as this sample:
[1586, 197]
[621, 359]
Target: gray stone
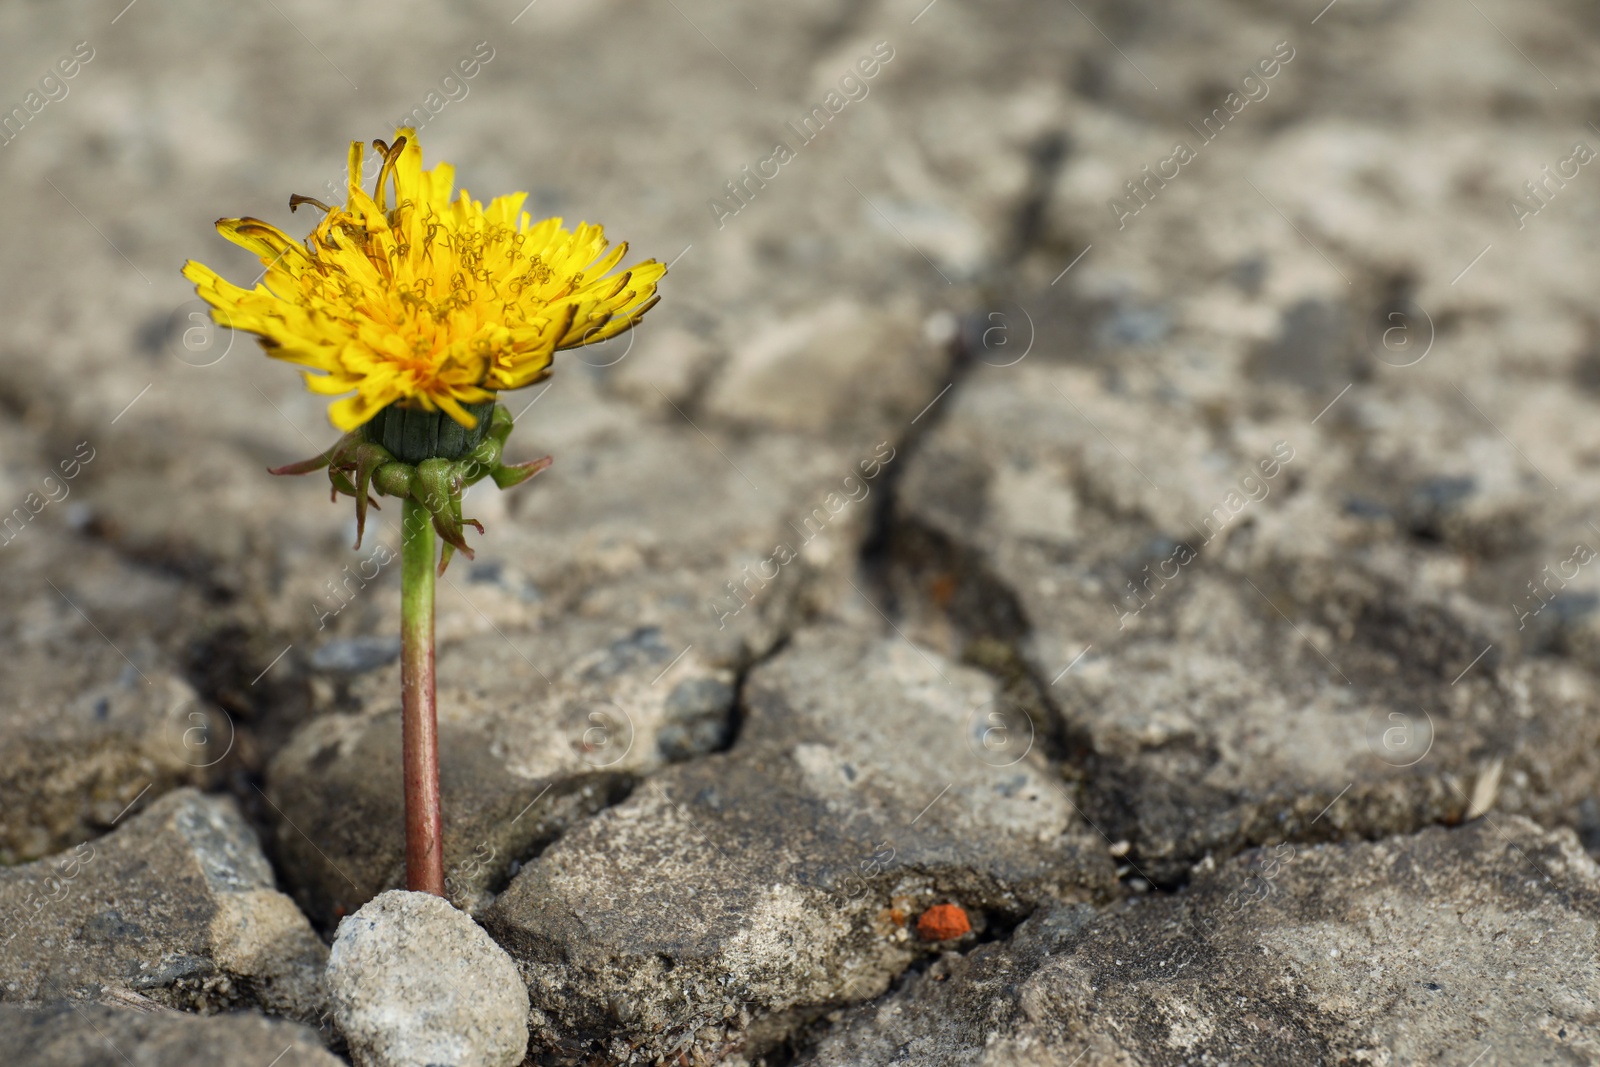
[1315, 348]
[86, 1034]
[698, 714]
[1439, 947]
[643, 522]
[415, 982]
[96, 712]
[176, 904]
[1234, 698]
[355, 655]
[1244, 641]
[822, 370]
[731, 898]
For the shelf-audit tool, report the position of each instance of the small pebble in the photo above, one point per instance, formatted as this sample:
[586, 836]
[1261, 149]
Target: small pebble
[355, 655]
[415, 982]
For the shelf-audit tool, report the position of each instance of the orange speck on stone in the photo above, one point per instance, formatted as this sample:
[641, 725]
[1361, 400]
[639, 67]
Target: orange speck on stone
[897, 916]
[943, 589]
[943, 922]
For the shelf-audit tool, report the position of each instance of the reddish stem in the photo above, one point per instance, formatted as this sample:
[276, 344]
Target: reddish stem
[419, 722]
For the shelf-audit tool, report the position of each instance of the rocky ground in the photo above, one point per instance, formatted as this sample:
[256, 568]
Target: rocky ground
[1088, 564]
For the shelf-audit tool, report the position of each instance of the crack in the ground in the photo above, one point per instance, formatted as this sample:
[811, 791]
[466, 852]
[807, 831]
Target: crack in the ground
[804, 1039]
[913, 563]
[992, 648]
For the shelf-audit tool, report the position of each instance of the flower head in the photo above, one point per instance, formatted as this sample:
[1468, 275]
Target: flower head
[429, 302]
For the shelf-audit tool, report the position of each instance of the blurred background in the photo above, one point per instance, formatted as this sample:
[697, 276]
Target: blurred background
[1239, 358]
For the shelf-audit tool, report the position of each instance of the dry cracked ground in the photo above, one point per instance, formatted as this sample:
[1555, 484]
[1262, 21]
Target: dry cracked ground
[1126, 470]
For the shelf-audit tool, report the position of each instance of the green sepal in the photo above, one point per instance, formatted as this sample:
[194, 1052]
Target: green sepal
[514, 475]
[394, 479]
[315, 463]
[341, 483]
[361, 463]
[369, 458]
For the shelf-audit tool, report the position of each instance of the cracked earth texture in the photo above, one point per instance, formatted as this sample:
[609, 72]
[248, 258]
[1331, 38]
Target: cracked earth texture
[1129, 477]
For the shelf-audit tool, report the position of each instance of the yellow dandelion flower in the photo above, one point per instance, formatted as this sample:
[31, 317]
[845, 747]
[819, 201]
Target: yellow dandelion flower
[433, 303]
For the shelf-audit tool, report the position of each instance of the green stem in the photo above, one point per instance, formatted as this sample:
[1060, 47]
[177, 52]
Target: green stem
[419, 724]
